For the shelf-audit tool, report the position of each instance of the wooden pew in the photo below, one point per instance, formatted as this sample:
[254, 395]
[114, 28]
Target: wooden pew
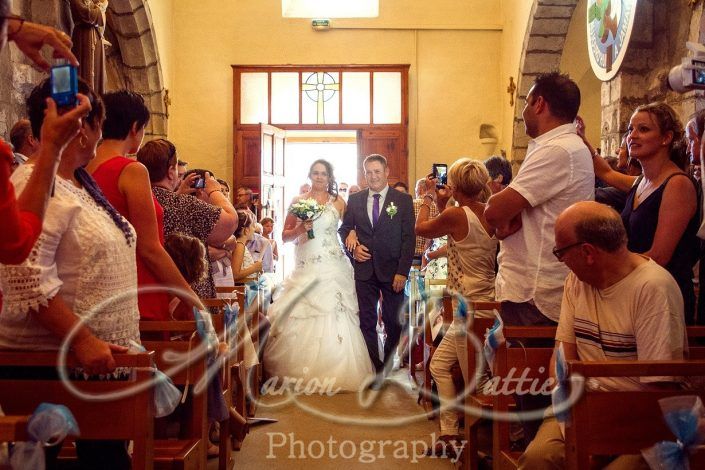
[622, 423]
[128, 418]
[186, 450]
[14, 428]
[536, 361]
[426, 389]
[476, 400]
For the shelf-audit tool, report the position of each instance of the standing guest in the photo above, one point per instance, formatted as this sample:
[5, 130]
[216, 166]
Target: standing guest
[208, 216]
[662, 212]
[343, 190]
[353, 189]
[182, 168]
[23, 141]
[84, 258]
[243, 265]
[224, 188]
[268, 233]
[401, 187]
[247, 197]
[305, 188]
[421, 243]
[500, 171]
[617, 306]
[693, 132]
[125, 183]
[22, 216]
[555, 174]
[471, 271]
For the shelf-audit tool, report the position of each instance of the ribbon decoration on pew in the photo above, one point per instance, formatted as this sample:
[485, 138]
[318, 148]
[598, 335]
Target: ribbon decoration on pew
[217, 408]
[48, 426]
[494, 338]
[682, 414]
[230, 314]
[560, 392]
[166, 395]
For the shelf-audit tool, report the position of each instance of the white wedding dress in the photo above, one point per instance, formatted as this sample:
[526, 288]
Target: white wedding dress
[315, 335]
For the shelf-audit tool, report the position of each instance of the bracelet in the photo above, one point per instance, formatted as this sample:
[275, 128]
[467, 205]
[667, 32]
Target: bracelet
[214, 191]
[426, 205]
[13, 35]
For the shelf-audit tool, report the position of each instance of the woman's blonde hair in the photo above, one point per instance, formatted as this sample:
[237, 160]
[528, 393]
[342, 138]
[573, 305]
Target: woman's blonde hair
[471, 178]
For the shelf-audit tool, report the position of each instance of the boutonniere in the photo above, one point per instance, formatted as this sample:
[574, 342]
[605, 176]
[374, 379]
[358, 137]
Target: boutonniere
[391, 210]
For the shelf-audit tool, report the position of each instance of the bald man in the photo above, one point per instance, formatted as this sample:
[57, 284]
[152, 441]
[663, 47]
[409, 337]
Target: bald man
[617, 305]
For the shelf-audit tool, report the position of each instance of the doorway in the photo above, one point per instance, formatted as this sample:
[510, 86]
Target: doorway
[302, 149]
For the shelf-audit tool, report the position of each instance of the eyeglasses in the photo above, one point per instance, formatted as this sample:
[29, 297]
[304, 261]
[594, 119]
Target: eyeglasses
[559, 252]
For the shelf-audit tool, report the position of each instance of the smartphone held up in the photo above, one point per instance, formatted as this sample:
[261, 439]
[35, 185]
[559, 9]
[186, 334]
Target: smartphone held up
[64, 85]
[440, 174]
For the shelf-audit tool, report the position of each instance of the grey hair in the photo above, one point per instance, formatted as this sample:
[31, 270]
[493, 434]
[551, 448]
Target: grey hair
[605, 230]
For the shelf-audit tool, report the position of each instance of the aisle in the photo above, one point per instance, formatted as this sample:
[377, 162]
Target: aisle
[392, 432]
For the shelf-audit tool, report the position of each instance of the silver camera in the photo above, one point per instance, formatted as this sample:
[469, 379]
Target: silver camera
[690, 74]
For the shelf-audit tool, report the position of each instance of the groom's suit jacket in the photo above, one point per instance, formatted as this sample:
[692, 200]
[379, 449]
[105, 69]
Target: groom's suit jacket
[391, 241]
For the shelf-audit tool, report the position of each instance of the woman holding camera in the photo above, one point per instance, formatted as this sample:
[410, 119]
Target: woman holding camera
[125, 183]
[471, 271]
[22, 216]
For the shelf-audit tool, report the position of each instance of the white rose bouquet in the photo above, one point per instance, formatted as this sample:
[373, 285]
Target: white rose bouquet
[307, 209]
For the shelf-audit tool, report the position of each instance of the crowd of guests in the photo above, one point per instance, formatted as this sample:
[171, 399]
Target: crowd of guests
[86, 224]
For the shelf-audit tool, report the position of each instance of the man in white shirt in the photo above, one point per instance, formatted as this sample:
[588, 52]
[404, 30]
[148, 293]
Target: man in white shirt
[556, 173]
[23, 141]
[617, 305]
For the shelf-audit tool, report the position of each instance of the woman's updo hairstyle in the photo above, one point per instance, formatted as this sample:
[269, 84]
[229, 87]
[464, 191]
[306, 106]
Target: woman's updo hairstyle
[668, 121]
[244, 220]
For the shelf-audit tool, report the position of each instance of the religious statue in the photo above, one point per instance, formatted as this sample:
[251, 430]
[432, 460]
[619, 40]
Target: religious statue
[88, 41]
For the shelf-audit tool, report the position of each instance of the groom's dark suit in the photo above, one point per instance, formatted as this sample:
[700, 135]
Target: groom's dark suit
[391, 244]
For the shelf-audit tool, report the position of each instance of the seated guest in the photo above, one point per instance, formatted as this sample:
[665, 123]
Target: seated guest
[268, 233]
[189, 255]
[208, 216]
[471, 271]
[242, 264]
[85, 257]
[617, 305]
[661, 213]
[23, 141]
[22, 216]
[125, 183]
[260, 248]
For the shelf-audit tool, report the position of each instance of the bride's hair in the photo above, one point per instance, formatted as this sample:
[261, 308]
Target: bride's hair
[332, 184]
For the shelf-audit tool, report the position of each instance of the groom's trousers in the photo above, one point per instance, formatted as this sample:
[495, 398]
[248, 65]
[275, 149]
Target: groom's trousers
[368, 295]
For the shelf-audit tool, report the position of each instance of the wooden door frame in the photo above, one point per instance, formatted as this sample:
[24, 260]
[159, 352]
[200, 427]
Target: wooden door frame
[254, 182]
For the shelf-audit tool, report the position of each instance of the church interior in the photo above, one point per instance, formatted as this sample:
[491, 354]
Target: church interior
[254, 92]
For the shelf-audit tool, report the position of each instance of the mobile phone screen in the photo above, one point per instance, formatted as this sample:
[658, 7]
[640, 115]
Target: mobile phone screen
[61, 79]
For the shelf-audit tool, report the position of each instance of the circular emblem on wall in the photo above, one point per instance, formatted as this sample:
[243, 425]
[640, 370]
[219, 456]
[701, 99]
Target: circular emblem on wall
[609, 27]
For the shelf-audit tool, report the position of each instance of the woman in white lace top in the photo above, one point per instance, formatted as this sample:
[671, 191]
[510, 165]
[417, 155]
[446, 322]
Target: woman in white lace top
[83, 265]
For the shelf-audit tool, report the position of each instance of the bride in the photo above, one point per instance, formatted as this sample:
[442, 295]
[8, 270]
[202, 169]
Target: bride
[315, 335]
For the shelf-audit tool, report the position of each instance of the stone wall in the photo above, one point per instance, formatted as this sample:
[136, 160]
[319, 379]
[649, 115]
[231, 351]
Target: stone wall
[660, 32]
[133, 60]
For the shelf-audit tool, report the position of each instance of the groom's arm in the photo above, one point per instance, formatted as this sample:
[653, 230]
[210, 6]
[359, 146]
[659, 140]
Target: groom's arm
[408, 237]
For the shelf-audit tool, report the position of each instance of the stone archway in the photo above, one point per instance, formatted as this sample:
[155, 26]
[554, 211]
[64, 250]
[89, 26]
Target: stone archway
[133, 59]
[657, 44]
[543, 47]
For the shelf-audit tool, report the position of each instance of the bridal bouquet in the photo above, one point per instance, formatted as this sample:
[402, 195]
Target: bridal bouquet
[307, 209]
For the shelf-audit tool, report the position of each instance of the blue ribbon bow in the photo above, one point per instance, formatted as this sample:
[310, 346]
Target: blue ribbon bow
[253, 288]
[49, 425]
[560, 392]
[166, 395]
[682, 414]
[494, 338]
[231, 312]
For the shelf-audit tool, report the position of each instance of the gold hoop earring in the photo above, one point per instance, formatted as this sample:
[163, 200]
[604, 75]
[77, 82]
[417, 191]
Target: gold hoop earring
[82, 141]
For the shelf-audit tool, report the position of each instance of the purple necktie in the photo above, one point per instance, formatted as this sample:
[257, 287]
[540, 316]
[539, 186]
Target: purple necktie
[375, 209]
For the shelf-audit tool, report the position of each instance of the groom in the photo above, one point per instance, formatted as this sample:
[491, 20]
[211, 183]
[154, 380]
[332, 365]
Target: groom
[383, 219]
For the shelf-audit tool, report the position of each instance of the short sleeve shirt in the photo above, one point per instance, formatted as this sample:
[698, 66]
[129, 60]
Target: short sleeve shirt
[556, 173]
